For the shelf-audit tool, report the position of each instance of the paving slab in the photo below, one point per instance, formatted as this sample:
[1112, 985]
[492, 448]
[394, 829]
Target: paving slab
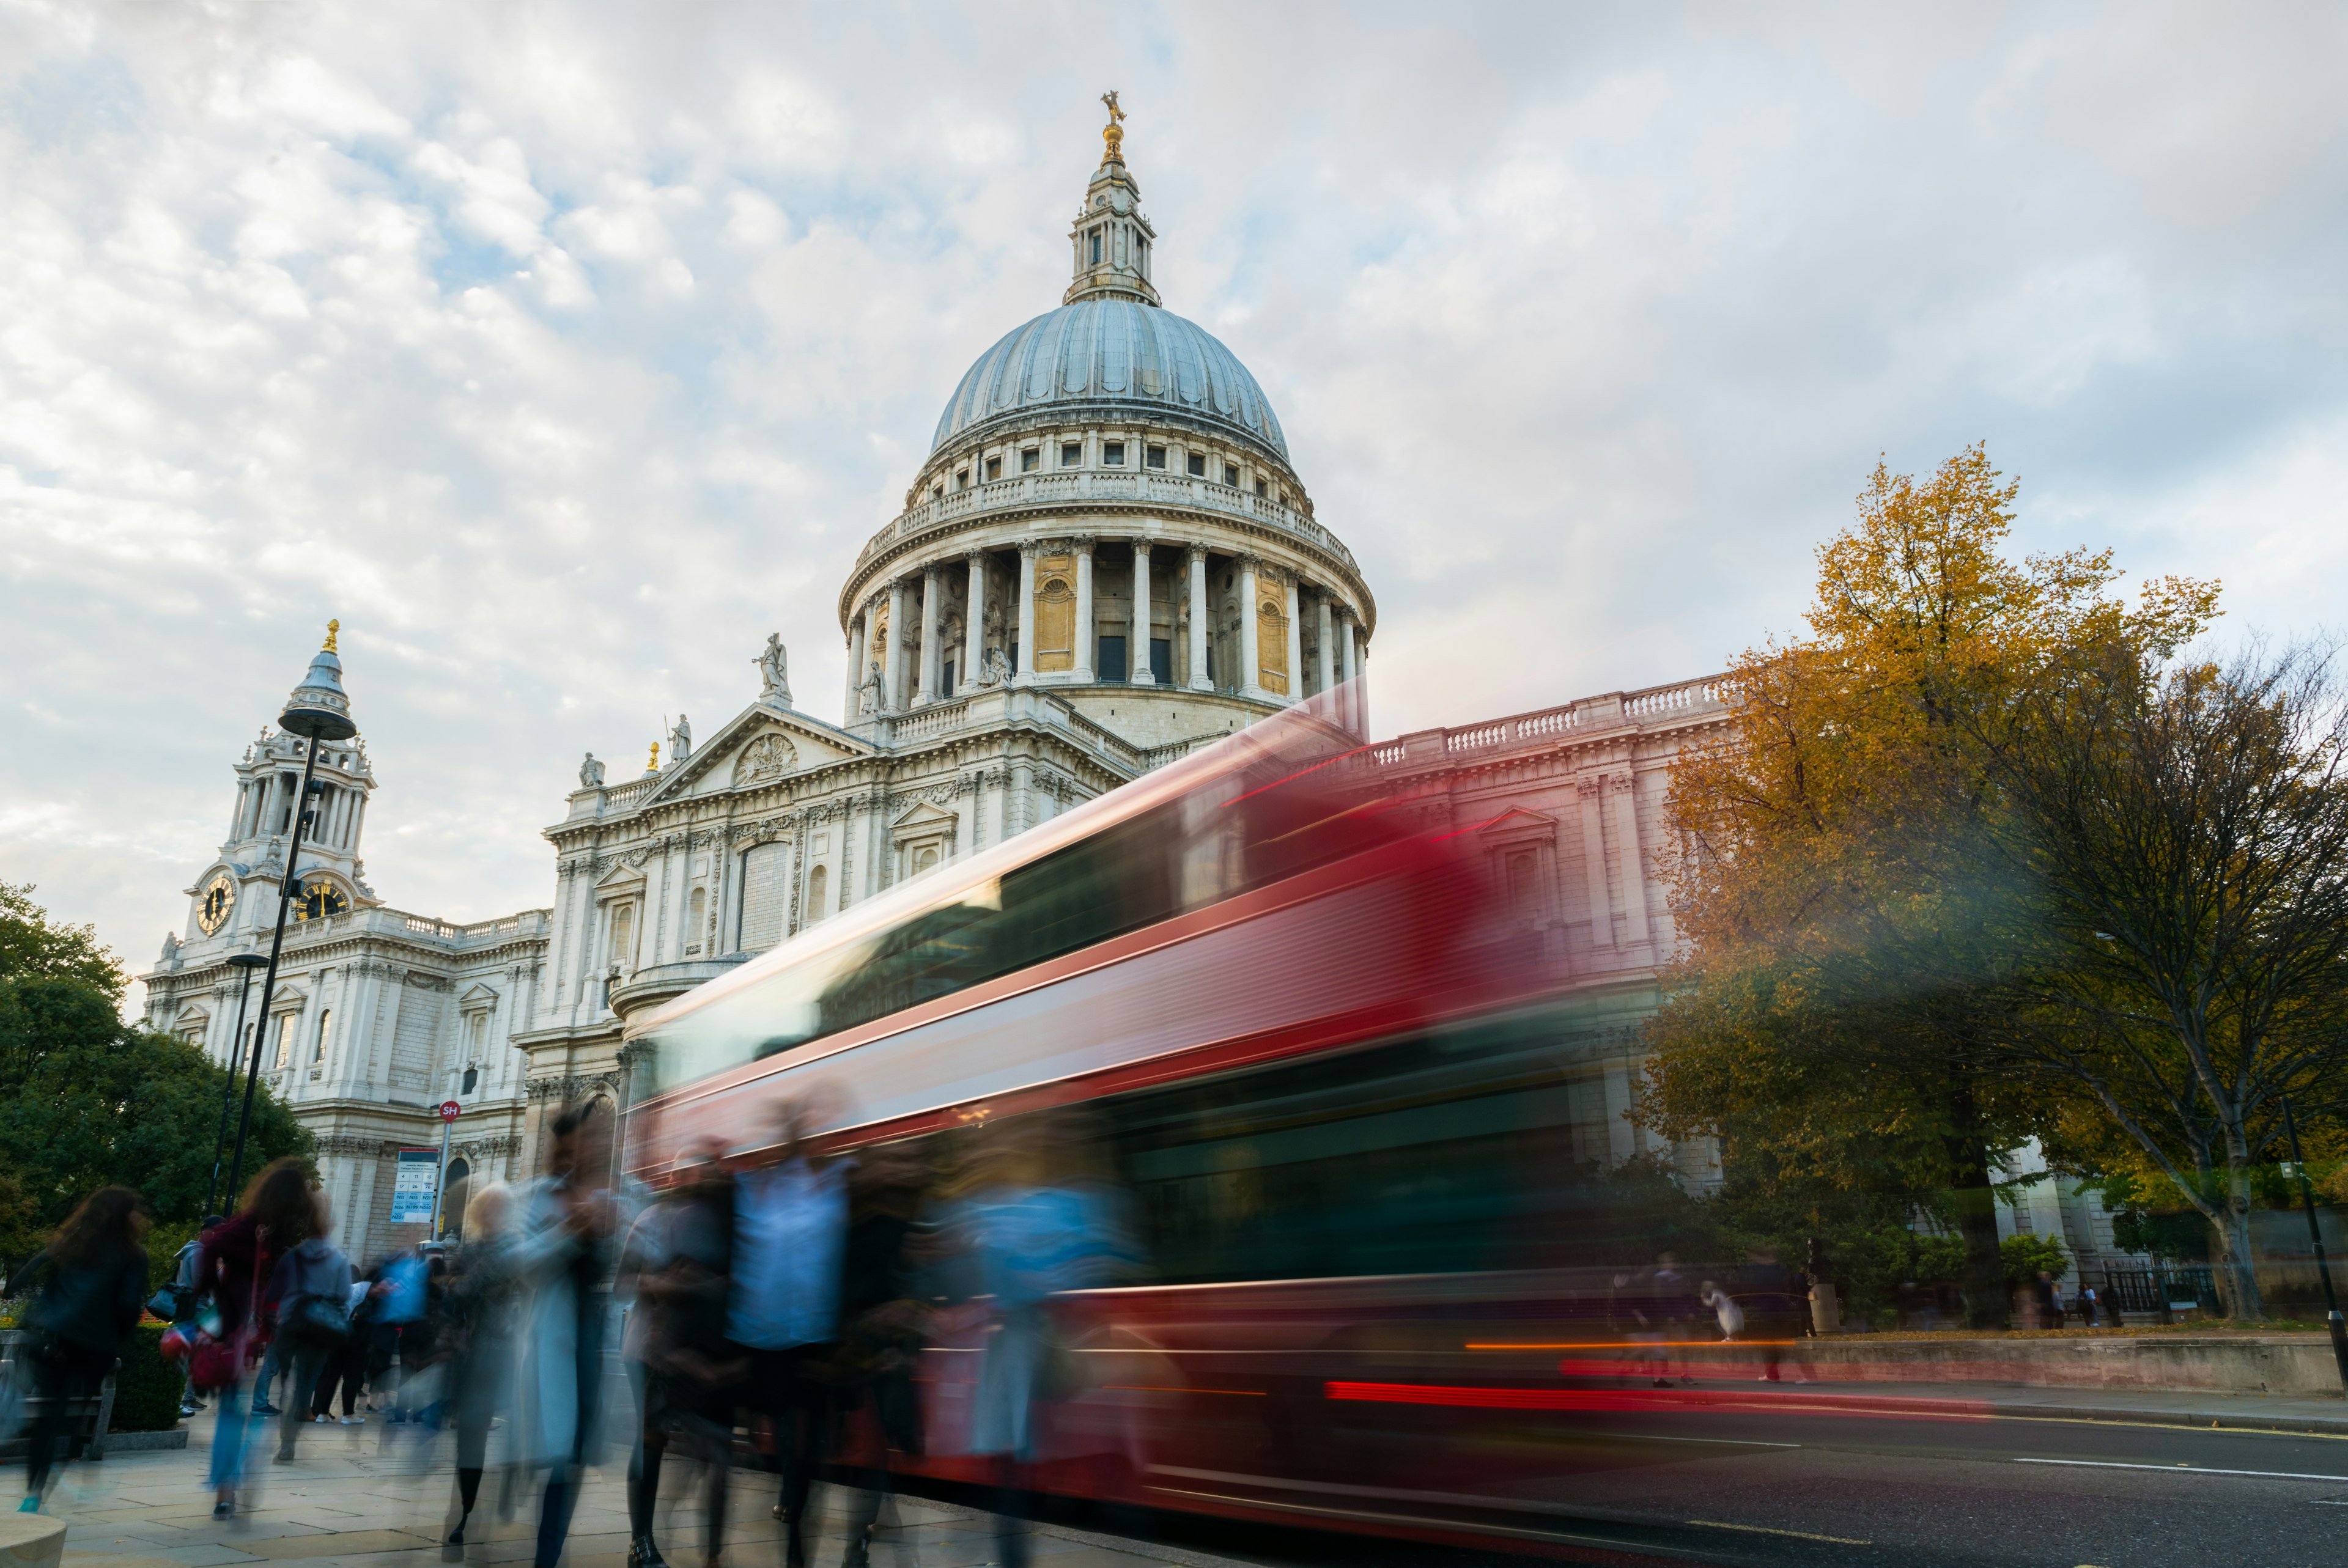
[344, 1503]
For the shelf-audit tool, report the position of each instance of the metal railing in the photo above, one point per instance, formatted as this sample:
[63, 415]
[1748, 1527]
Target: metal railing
[2160, 1291]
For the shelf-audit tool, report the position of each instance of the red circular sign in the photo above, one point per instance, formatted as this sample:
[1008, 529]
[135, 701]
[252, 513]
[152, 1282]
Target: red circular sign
[448, 1110]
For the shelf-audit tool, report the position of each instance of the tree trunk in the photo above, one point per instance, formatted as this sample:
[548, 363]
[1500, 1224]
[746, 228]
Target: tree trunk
[1975, 1201]
[2237, 1274]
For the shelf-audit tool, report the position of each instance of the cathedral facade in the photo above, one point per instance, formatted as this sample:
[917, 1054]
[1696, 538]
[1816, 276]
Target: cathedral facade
[1107, 561]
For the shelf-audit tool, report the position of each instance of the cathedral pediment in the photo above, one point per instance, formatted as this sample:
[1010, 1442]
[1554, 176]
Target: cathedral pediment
[625, 873]
[761, 746]
[920, 814]
[1517, 826]
[478, 997]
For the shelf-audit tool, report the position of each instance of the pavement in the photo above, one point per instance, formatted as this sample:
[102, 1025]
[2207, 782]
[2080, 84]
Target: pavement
[347, 1502]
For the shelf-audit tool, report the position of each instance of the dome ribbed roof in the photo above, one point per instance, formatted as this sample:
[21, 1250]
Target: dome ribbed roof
[1098, 353]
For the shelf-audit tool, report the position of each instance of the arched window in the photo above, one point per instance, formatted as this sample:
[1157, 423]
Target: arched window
[818, 892]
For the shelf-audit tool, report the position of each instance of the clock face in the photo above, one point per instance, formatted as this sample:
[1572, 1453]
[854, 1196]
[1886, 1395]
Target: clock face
[220, 897]
[319, 898]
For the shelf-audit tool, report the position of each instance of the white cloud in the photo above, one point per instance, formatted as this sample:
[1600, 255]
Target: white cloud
[565, 356]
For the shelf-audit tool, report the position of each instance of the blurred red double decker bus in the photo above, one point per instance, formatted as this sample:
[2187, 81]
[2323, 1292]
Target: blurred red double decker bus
[1286, 1029]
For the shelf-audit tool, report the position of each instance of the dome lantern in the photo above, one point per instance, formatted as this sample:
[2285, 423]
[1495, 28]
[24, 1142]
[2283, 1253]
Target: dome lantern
[1111, 241]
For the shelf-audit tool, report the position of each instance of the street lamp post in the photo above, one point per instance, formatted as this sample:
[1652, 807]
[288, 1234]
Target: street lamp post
[319, 710]
[244, 964]
[2338, 1326]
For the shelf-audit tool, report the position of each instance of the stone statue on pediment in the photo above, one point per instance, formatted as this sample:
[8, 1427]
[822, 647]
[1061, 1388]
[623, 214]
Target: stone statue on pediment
[774, 672]
[680, 741]
[590, 772]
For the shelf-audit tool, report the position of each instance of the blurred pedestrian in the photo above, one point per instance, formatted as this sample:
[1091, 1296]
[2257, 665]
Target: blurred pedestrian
[185, 1289]
[790, 1230]
[676, 1265]
[481, 1326]
[312, 1288]
[92, 1284]
[561, 1260]
[1677, 1310]
[883, 1325]
[239, 1256]
[1034, 1234]
[1775, 1309]
[1725, 1310]
[346, 1367]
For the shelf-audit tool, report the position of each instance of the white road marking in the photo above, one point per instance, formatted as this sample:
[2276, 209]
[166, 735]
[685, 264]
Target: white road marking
[2184, 1469]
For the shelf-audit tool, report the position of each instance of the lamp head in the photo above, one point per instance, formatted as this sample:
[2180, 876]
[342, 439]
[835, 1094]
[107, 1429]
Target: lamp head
[319, 709]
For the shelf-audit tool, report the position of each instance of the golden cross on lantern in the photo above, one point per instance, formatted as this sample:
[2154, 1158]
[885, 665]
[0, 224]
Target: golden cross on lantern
[1116, 115]
[333, 629]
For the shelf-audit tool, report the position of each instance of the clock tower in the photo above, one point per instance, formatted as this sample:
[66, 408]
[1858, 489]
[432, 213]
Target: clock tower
[378, 1014]
[235, 897]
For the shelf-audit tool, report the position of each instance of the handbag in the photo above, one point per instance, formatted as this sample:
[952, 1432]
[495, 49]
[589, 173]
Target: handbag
[172, 1302]
[218, 1363]
[318, 1321]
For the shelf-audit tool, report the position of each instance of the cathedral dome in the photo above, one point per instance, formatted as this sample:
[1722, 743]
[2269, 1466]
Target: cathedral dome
[1106, 354]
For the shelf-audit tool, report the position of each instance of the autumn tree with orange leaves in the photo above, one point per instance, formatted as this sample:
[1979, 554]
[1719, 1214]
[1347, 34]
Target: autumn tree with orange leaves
[1857, 937]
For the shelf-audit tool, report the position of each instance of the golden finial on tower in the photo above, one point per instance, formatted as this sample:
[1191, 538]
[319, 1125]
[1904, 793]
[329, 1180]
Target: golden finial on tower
[1114, 133]
[333, 629]
[653, 766]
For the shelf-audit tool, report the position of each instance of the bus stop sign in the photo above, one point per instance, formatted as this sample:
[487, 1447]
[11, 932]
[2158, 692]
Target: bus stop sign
[448, 1110]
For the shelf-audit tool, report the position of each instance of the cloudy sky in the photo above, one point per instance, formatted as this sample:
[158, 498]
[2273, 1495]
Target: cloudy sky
[565, 351]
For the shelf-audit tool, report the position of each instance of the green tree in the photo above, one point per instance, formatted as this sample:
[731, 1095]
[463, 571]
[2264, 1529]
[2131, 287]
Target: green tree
[2185, 827]
[1853, 940]
[86, 1100]
[32, 946]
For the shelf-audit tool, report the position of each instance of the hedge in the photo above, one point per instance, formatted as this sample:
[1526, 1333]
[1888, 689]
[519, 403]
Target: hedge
[147, 1388]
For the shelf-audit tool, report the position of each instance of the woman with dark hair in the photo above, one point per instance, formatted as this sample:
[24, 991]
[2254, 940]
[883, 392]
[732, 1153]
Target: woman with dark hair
[277, 1216]
[98, 1282]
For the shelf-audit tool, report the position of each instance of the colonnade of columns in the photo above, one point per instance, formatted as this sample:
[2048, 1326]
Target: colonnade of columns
[1338, 654]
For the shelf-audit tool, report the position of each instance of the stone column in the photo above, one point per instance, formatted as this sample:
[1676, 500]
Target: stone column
[1590, 794]
[1295, 641]
[892, 694]
[973, 641]
[1137, 662]
[1026, 623]
[933, 658]
[856, 624]
[1362, 691]
[1087, 634]
[1349, 644]
[1246, 685]
[1202, 623]
[1324, 634]
[1626, 844]
[1344, 657]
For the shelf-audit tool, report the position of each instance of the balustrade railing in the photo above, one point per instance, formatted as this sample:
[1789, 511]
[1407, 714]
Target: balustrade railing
[1687, 697]
[1046, 489]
